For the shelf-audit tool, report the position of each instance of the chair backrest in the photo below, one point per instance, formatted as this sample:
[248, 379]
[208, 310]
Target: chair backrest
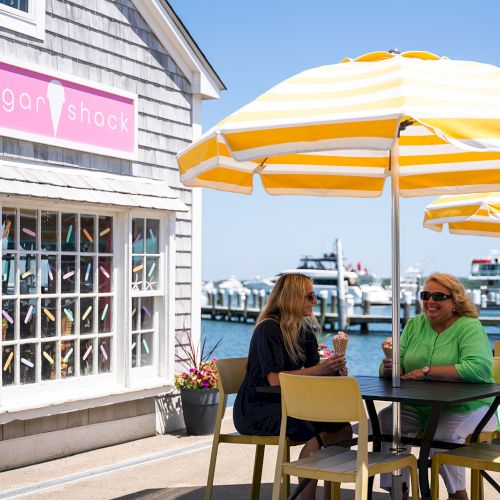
[496, 369]
[327, 399]
[496, 348]
[231, 374]
[322, 399]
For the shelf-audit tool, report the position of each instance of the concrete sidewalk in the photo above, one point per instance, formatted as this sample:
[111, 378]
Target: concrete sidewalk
[160, 467]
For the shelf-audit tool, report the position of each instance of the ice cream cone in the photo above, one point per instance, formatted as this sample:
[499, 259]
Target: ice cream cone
[340, 345]
[56, 98]
[387, 352]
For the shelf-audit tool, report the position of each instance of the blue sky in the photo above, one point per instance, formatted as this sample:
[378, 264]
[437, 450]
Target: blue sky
[255, 44]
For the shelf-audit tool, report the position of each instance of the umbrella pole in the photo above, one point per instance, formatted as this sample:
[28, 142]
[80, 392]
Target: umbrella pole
[397, 479]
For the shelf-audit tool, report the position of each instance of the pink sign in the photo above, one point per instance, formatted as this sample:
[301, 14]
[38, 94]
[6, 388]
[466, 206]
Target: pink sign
[65, 111]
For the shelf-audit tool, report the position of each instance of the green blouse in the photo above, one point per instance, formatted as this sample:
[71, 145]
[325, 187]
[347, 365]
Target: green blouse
[464, 344]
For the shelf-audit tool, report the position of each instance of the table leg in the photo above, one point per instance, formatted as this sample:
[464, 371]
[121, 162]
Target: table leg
[425, 447]
[377, 442]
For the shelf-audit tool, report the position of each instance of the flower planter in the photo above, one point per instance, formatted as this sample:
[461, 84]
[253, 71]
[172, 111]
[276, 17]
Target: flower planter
[199, 407]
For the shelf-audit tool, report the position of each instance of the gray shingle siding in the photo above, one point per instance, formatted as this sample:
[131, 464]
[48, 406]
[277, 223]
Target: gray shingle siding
[109, 42]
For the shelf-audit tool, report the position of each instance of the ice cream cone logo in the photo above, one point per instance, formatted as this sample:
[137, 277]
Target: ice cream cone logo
[56, 98]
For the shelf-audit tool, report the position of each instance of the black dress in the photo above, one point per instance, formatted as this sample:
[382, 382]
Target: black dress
[260, 412]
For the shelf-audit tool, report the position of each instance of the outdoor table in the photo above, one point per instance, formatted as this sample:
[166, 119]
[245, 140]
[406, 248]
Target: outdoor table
[431, 393]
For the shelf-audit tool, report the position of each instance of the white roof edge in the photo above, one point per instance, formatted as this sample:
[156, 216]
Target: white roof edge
[173, 35]
[120, 191]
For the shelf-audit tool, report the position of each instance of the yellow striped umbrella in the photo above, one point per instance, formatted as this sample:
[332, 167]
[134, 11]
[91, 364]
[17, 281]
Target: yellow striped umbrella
[430, 123]
[329, 131]
[476, 214]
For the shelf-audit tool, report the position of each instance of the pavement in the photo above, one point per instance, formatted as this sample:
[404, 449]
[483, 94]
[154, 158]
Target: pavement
[160, 467]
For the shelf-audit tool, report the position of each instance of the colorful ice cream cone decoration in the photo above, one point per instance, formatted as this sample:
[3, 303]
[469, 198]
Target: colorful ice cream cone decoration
[387, 347]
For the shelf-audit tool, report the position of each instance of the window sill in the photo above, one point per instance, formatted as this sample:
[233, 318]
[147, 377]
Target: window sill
[28, 402]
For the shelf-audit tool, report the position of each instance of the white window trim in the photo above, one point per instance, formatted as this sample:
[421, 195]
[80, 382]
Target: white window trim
[31, 23]
[124, 384]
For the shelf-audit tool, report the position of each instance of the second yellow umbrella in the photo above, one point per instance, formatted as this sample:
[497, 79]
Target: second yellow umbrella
[472, 214]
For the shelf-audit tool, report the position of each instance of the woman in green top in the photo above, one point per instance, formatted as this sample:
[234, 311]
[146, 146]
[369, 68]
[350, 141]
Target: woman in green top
[446, 343]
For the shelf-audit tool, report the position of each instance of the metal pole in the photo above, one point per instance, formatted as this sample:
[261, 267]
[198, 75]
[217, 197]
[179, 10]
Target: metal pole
[340, 286]
[397, 479]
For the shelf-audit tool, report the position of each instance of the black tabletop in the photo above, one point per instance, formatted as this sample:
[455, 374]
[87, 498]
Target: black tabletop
[417, 391]
[421, 392]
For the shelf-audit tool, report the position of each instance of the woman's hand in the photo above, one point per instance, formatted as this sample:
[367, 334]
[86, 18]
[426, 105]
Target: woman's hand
[336, 365]
[417, 374]
[386, 368]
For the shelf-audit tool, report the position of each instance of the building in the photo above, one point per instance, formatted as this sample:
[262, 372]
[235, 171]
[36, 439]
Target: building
[100, 241]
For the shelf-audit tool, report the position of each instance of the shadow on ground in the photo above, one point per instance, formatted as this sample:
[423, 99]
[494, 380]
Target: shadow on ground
[224, 492]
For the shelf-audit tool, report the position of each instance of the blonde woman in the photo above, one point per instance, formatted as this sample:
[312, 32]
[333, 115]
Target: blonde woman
[445, 343]
[284, 340]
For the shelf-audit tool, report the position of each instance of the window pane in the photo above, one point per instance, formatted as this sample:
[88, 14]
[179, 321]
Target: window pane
[104, 325]
[137, 274]
[105, 234]
[86, 315]
[151, 282]
[28, 363]
[138, 236]
[16, 4]
[147, 311]
[86, 274]
[152, 236]
[104, 355]
[27, 235]
[27, 274]
[86, 357]
[134, 314]
[68, 232]
[67, 359]
[68, 316]
[135, 348]
[147, 349]
[28, 314]
[49, 231]
[68, 274]
[8, 274]
[48, 361]
[48, 317]
[49, 273]
[87, 236]
[8, 365]
[8, 228]
[8, 319]
[105, 271]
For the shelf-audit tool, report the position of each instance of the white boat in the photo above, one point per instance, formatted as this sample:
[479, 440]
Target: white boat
[372, 289]
[485, 271]
[322, 270]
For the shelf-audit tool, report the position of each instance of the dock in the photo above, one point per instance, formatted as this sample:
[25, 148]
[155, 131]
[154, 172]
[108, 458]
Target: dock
[246, 308]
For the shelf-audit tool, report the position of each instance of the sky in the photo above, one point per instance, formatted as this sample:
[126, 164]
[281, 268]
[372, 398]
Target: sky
[253, 45]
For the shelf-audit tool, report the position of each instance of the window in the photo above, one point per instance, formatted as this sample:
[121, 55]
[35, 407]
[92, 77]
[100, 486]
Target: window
[145, 291]
[24, 16]
[58, 298]
[16, 4]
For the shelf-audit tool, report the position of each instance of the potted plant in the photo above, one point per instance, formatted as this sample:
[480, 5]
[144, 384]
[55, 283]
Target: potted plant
[199, 386]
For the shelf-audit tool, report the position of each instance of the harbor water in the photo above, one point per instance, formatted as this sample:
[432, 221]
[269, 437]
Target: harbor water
[364, 353]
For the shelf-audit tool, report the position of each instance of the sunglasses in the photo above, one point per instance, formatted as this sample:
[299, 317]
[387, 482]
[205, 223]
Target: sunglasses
[311, 297]
[437, 296]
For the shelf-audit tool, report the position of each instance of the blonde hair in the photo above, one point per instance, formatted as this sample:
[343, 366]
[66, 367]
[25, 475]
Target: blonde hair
[285, 306]
[462, 302]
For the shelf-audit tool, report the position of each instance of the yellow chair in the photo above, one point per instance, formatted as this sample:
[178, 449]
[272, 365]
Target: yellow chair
[496, 348]
[231, 374]
[333, 399]
[475, 456]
